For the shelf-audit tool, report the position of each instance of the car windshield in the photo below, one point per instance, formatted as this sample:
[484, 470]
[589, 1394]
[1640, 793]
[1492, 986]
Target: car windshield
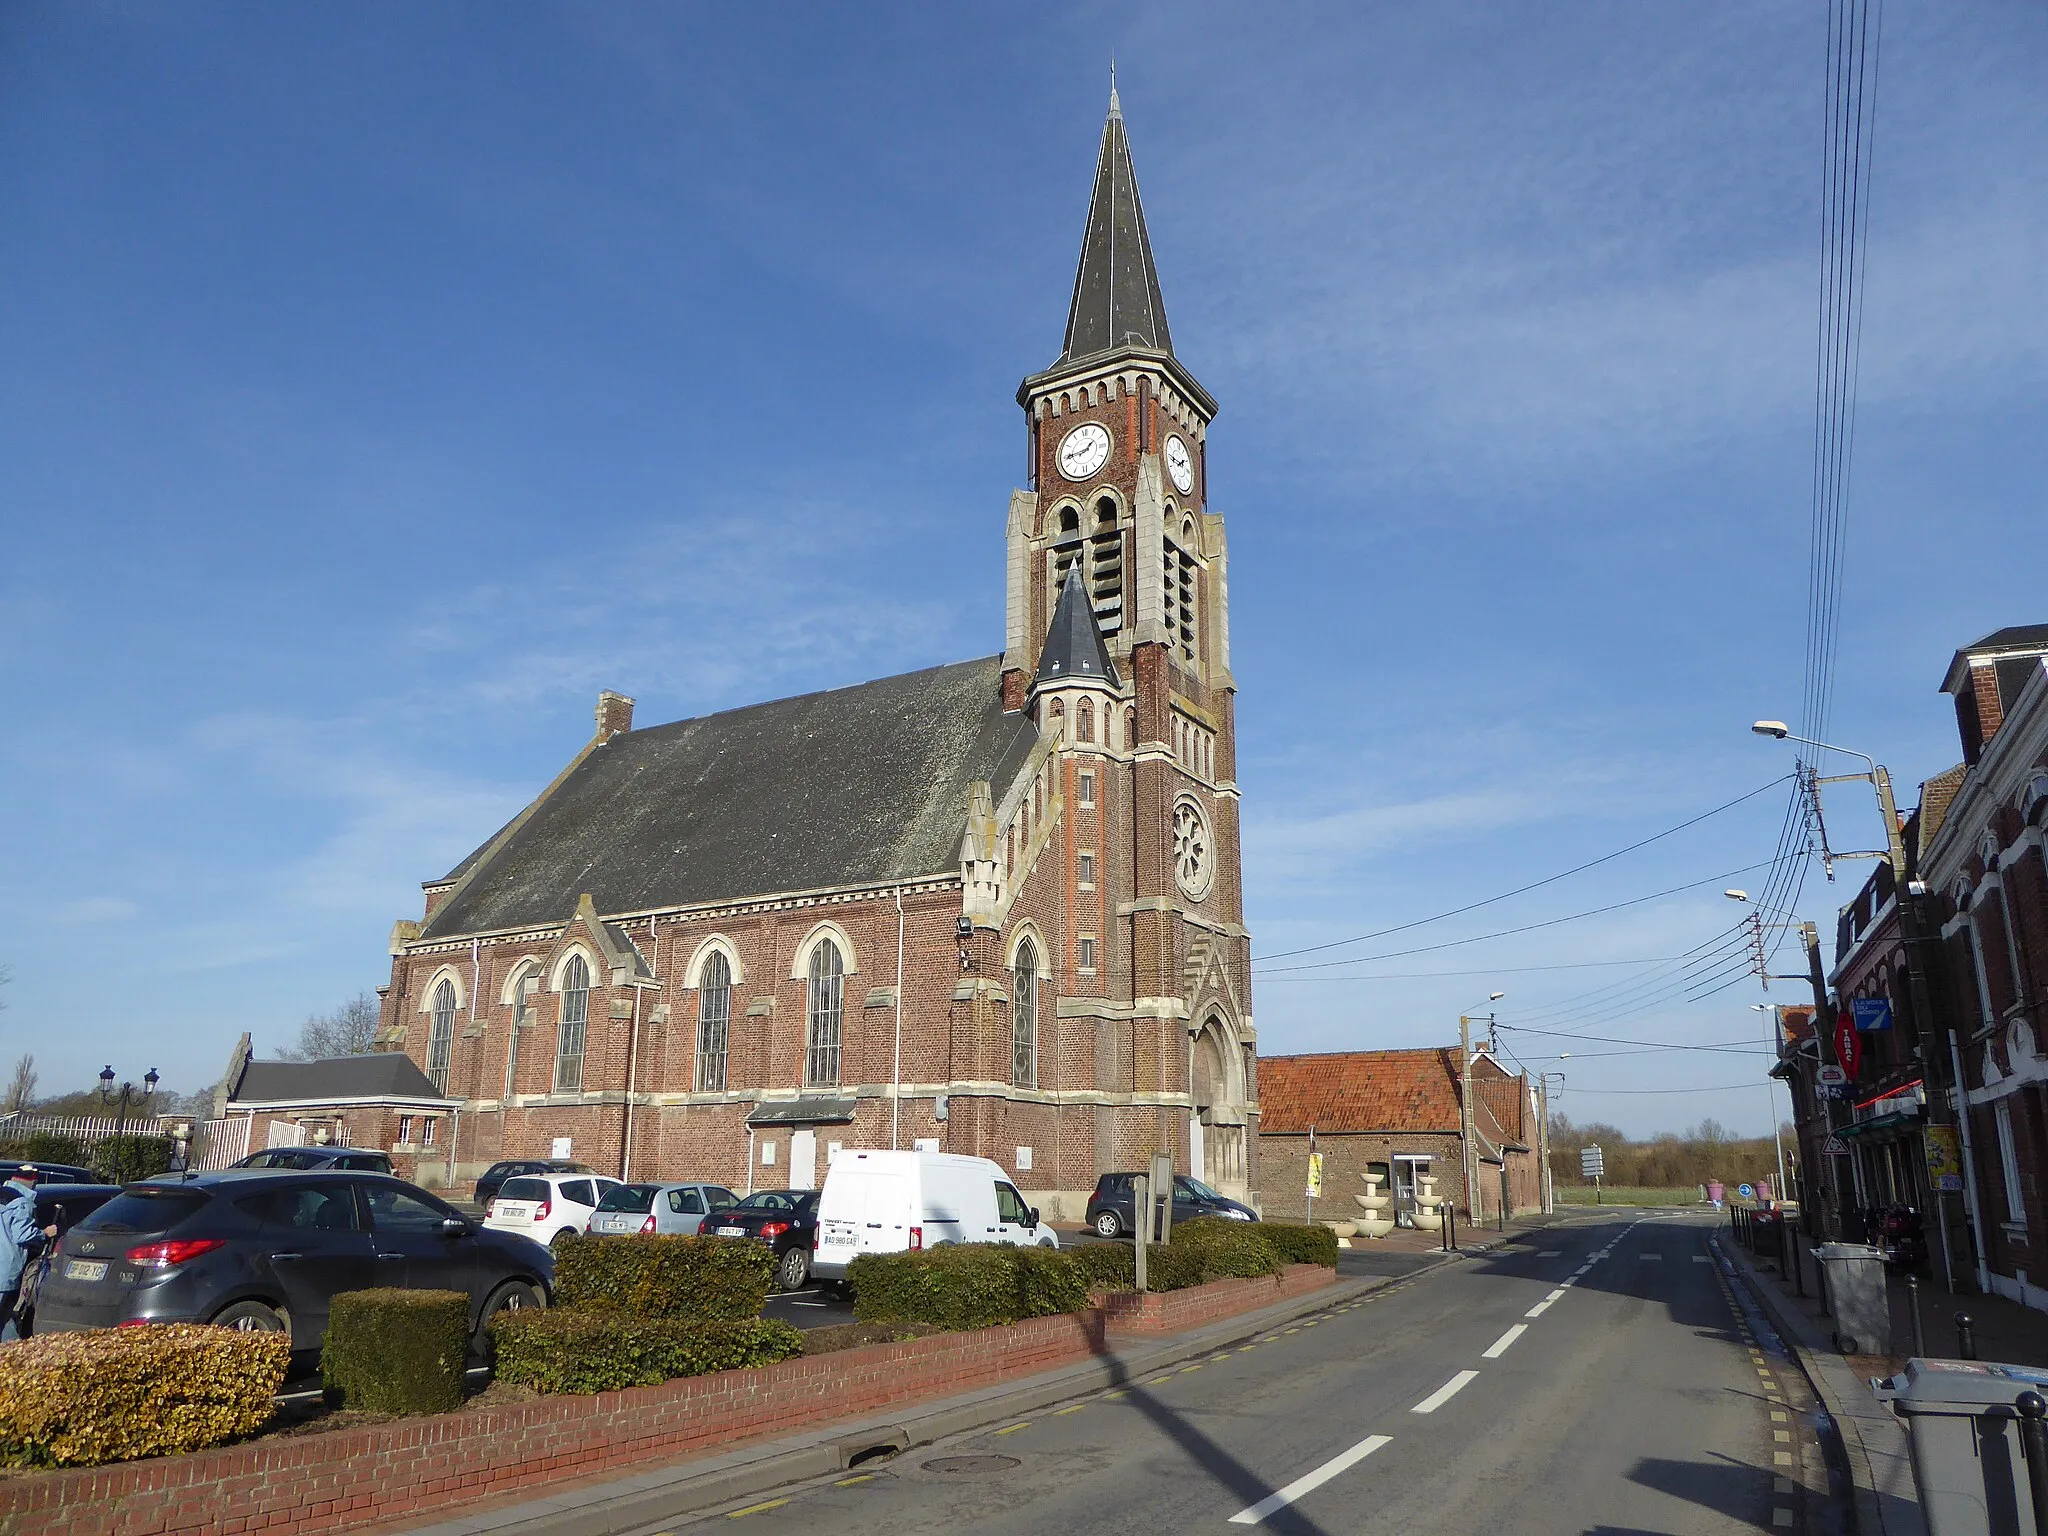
[636, 1198]
[524, 1189]
[769, 1200]
[145, 1209]
[1197, 1187]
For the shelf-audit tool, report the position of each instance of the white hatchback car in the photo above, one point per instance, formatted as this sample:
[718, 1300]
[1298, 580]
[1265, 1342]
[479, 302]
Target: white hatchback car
[543, 1206]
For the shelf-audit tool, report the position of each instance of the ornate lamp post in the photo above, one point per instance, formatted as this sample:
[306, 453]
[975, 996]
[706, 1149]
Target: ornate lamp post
[127, 1097]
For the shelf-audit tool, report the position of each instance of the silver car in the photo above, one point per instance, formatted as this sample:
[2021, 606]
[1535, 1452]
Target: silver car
[672, 1209]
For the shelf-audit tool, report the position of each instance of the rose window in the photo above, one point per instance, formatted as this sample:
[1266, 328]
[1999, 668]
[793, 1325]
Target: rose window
[1194, 856]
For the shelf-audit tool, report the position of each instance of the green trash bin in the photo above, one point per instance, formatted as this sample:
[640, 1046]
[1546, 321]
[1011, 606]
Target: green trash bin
[1968, 1464]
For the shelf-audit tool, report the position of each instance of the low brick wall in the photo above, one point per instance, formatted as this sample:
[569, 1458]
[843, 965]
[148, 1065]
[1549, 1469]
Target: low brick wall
[415, 1468]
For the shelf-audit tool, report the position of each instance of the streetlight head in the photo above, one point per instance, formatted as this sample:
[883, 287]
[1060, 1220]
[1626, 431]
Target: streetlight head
[1735, 895]
[107, 1077]
[1494, 997]
[1777, 730]
[150, 1080]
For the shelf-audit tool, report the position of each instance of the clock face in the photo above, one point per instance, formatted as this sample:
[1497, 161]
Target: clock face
[1085, 450]
[1179, 465]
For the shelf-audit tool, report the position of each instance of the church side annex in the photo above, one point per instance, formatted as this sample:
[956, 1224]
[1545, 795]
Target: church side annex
[993, 907]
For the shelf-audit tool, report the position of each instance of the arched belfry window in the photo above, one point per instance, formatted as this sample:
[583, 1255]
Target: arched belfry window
[1106, 566]
[826, 1002]
[441, 1035]
[1084, 721]
[575, 1024]
[714, 1021]
[1024, 1019]
[1178, 592]
[1131, 729]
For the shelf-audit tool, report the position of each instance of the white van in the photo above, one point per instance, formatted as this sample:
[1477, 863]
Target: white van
[887, 1202]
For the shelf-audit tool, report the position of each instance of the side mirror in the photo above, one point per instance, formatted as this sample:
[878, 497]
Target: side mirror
[1033, 1213]
[454, 1226]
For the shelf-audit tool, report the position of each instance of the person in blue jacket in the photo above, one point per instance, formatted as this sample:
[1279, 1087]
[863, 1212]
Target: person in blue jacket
[20, 1241]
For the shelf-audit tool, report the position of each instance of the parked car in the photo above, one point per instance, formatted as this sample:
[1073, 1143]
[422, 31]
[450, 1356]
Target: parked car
[1113, 1211]
[786, 1220]
[308, 1158]
[543, 1206]
[48, 1173]
[61, 1206]
[673, 1209]
[265, 1250]
[887, 1202]
[495, 1176]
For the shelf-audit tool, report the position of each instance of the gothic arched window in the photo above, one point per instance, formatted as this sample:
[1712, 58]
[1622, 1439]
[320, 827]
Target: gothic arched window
[714, 1021]
[1106, 567]
[1131, 729]
[826, 1000]
[1084, 721]
[441, 1034]
[1024, 1019]
[575, 1022]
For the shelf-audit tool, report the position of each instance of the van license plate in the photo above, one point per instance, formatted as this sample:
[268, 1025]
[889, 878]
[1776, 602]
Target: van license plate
[841, 1234]
[85, 1269]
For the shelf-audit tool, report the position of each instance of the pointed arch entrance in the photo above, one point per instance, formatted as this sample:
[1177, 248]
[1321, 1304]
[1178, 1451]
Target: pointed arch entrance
[1217, 1149]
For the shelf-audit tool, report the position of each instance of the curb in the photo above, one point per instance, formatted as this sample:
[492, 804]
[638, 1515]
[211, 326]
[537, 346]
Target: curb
[634, 1503]
[1858, 1417]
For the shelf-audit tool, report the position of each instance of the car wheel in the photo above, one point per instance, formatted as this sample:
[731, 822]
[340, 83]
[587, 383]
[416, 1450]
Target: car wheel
[512, 1296]
[1109, 1224]
[251, 1317]
[793, 1269]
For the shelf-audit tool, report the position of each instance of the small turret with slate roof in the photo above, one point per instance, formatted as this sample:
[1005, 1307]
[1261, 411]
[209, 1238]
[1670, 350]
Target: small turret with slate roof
[1074, 650]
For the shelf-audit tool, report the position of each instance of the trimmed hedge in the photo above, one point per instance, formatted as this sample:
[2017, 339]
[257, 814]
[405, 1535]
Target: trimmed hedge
[1106, 1266]
[971, 1285]
[1229, 1249]
[1301, 1245]
[124, 1159]
[114, 1394]
[397, 1351]
[1175, 1266]
[562, 1351]
[47, 1147]
[702, 1278]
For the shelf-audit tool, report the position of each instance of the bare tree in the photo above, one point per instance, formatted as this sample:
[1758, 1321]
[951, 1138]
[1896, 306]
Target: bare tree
[350, 1030]
[21, 1091]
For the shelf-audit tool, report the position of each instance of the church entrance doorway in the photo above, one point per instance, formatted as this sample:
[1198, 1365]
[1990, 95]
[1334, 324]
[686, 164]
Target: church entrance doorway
[803, 1159]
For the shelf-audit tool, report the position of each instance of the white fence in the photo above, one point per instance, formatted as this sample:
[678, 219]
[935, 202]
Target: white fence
[215, 1143]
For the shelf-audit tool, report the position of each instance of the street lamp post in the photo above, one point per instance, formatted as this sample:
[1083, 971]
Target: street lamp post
[1467, 1125]
[1777, 1132]
[1543, 1139]
[127, 1096]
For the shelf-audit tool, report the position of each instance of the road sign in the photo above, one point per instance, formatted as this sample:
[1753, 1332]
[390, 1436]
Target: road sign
[1592, 1163]
[1843, 1091]
[1747, 1191]
[1871, 1013]
[1834, 1146]
[1831, 1076]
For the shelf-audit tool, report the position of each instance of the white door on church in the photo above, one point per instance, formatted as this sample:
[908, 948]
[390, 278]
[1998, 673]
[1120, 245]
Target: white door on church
[803, 1160]
[1197, 1162]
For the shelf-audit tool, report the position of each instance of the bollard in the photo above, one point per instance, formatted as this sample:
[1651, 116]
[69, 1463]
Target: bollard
[1913, 1301]
[1798, 1269]
[1966, 1337]
[2032, 1408]
[1451, 1226]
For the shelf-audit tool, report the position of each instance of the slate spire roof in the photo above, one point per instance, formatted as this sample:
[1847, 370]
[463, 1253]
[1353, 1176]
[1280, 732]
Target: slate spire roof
[1074, 652]
[1116, 291]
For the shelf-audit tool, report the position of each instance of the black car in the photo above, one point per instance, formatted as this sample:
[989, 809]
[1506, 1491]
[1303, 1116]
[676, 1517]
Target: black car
[48, 1173]
[266, 1250]
[785, 1219]
[306, 1159]
[61, 1206]
[1113, 1212]
[494, 1177]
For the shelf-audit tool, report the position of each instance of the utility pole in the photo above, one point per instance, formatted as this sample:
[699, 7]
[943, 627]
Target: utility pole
[1824, 1032]
[1465, 1118]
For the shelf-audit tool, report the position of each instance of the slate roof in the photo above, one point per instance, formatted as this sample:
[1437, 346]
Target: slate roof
[847, 787]
[1116, 290]
[1360, 1091]
[2013, 638]
[381, 1075]
[1073, 644]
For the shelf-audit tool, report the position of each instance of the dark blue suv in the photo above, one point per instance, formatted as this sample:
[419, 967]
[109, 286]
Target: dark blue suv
[1112, 1210]
[266, 1250]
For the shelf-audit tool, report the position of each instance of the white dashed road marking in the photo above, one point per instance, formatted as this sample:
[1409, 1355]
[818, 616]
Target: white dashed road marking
[1501, 1345]
[1446, 1392]
[1311, 1481]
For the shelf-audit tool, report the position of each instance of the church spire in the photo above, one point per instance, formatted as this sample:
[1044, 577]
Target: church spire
[1074, 652]
[1116, 291]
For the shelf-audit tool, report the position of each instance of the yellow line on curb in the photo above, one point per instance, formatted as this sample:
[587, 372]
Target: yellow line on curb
[844, 1482]
[1075, 1409]
[755, 1509]
[1011, 1429]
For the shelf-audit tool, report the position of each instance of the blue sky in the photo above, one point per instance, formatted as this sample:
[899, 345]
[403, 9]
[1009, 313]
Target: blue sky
[381, 381]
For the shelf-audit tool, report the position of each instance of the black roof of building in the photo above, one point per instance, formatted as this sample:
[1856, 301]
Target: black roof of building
[2013, 638]
[853, 786]
[1116, 291]
[380, 1075]
[1074, 651]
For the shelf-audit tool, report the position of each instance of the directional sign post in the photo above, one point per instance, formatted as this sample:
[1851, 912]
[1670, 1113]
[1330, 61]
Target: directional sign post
[1593, 1165]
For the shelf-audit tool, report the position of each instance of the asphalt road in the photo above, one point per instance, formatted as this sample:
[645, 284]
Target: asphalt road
[1596, 1378]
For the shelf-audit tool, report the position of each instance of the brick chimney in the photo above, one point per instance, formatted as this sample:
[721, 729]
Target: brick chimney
[1984, 679]
[614, 715]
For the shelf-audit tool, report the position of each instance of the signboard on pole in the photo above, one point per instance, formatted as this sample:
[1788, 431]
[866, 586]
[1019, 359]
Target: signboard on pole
[1944, 1158]
[1831, 1076]
[1592, 1163]
[1834, 1146]
[1315, 1175]
[1871, 1013]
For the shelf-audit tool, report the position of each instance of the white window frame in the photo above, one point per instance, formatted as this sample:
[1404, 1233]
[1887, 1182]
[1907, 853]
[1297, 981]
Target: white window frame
[2009, 1162]
[1087, 790]
[824, 1016]
[1024, 1017]
[441, 1033]
[572, 1035]
[714, 1023]
[1087, 950]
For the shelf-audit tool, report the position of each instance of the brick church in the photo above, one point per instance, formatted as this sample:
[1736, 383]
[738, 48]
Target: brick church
[992, 907]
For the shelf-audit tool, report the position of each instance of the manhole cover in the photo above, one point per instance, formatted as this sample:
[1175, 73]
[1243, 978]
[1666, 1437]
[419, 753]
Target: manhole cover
[969, 1465]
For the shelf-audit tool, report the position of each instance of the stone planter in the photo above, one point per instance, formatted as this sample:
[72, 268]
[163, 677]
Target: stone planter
[1428, 1216]
[1378, 1207]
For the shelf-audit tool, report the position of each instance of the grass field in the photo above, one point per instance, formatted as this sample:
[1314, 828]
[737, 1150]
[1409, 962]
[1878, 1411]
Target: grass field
[1576, 1194]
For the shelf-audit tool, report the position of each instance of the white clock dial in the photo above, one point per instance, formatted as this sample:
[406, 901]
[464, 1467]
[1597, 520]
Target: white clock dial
[1085, 450]
[1179, 465]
